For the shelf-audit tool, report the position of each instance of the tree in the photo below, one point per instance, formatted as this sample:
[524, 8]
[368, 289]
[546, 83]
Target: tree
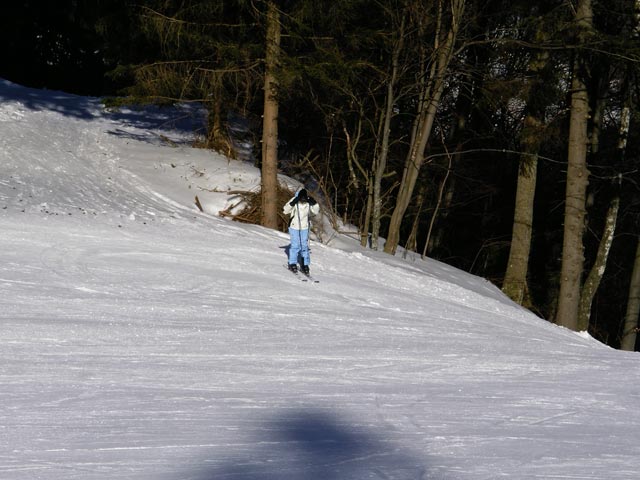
[382, 152]
[630, 329]
[203, 51]
[597, 270]
[449, 20]
[577, 179]
[631, 324]
[270, 206]
[515, 279]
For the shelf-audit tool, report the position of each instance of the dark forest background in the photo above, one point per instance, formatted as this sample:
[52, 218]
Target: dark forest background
[347, 66]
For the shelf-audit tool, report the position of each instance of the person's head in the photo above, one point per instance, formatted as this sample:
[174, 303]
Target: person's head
[303, 196]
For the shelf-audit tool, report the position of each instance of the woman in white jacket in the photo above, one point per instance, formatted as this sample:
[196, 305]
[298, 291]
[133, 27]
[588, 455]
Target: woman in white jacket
[299, 209]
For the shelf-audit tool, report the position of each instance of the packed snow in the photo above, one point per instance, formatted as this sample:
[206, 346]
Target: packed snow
[143, 339]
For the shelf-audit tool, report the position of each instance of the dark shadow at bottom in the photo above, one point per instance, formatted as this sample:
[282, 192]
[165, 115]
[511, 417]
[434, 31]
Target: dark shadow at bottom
[315, 445]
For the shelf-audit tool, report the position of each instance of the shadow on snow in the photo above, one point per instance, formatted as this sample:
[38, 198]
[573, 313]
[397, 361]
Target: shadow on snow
[185, 119]
[315, 445]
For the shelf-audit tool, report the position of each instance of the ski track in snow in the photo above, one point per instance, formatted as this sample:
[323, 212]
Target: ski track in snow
[141, 339]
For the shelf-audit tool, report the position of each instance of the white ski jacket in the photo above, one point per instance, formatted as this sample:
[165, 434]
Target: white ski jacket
[299, 213]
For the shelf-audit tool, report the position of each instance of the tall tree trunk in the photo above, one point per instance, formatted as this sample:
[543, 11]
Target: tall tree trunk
[269, 172]
[426, 117]
[436, 209]
[577, 181]
[631, 324]
[383, 154]
[515, 278]
[215, 136]
[364, 235]
[597, 271]
[412, 240]
[630, 330]
[467, 98]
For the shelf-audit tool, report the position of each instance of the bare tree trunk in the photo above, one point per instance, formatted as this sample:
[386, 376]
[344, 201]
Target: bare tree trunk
[354, 165]
[269, 172]
[381, 160]
[597, 271]
[577, 181]
[436, 210]
[364, 234]
[631, 325]
[426, 117]
[412, 241]
[515, 278]
[630, 330]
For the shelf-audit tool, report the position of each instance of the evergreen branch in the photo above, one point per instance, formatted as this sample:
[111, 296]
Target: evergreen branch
[155, 13]
[247, 68]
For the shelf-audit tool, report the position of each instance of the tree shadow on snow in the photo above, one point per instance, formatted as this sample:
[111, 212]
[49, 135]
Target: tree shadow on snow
[314, 445]
[47, 100]
[185, 118]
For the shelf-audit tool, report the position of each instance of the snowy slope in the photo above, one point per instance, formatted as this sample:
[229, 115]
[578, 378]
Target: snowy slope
[142, 339]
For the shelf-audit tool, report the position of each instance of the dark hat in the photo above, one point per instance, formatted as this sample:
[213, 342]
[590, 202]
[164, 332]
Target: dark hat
[303, 195]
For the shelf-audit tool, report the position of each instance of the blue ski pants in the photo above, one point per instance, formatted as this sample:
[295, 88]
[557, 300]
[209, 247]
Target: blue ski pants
[299, 246]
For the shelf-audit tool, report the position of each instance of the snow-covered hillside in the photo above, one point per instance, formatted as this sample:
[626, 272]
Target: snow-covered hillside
[141, 339]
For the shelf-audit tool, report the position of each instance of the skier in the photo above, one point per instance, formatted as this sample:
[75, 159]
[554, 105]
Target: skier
[299, 208]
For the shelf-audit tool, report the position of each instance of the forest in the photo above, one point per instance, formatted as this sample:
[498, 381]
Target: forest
[497, 136]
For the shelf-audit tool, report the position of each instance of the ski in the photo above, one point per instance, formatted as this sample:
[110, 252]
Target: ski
[303, 277]
[310, 278]
[298, 275]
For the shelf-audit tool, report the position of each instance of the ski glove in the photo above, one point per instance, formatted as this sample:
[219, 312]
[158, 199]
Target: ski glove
[293, 202]
[312, 201]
